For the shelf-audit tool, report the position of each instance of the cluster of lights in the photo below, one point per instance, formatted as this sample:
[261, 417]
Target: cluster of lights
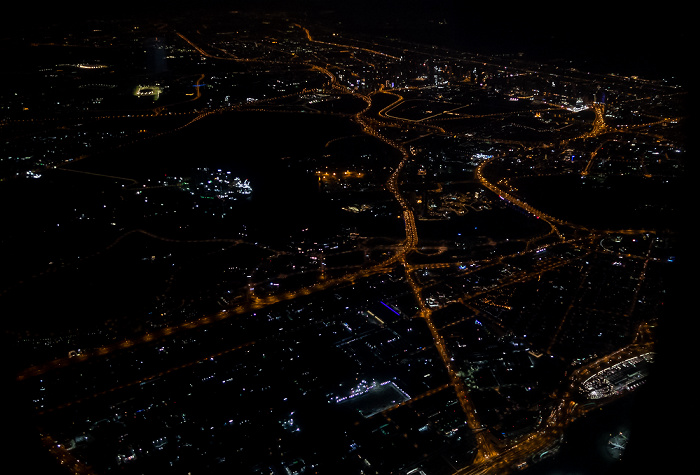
[214, 184]
[363, 387]
[609, 382]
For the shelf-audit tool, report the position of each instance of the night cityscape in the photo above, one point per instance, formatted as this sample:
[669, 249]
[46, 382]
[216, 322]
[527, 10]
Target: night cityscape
[408, 239]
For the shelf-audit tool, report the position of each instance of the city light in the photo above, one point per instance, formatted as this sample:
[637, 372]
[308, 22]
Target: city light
[247, 242]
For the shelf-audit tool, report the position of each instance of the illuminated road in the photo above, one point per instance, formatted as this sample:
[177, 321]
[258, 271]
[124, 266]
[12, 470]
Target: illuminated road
[312, 40]
[491, 456]
[485, 447]
[409, 244]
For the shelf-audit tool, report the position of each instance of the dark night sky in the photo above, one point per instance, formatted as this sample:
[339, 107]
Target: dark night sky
[636, 40]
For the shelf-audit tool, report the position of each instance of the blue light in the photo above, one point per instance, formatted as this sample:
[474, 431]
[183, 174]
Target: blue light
[397, 313]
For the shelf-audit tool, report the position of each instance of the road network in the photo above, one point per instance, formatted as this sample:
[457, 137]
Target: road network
[492, 456]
